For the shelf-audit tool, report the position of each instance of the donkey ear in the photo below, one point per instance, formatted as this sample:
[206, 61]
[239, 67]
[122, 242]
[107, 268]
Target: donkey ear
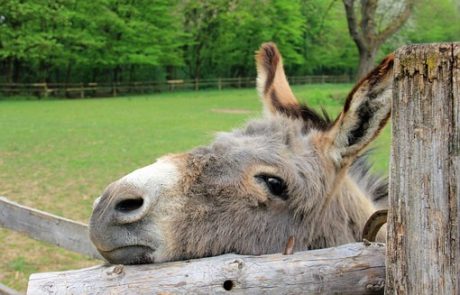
[272, 84]
[366, 111]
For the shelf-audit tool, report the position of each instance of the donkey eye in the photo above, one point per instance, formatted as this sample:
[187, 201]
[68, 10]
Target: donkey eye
[275, 185]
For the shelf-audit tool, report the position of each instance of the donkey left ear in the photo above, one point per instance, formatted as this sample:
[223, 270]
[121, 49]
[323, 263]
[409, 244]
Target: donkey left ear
[272, 84]
[366, 111]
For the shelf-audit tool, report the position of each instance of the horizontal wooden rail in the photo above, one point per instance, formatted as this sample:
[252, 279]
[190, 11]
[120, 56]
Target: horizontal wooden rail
[113, 89]
[47, 227]
[4, 290]
[348, 269]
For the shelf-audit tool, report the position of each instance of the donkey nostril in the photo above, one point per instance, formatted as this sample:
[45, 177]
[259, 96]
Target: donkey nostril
[129, 205]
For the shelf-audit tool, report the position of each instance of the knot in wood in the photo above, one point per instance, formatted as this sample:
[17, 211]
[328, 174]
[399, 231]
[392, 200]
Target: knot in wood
[239, 263]
[377, 286]
[115, 270]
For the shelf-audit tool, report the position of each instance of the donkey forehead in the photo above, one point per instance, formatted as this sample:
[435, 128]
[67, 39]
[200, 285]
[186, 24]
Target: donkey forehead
[266, 136]
[276, 142]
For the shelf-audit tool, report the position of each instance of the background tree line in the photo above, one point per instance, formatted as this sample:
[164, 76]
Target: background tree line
[138, 40]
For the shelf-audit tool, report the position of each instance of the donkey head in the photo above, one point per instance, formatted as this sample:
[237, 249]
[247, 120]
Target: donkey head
[292, 173]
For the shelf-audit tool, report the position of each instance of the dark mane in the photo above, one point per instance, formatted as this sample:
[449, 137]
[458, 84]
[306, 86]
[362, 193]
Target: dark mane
[313, 119]
[374, 184]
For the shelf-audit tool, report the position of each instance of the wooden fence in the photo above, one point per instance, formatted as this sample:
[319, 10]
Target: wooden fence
[47, 227]
[357, 268]
[82, 90]
[423, 242]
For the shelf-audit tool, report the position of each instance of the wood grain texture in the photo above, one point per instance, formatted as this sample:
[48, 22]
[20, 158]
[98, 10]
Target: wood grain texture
[423, 221]
[4, 290]
[47, 227]
[348, 269]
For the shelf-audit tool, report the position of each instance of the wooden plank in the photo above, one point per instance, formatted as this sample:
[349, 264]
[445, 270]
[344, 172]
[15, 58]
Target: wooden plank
[348, 269]
[423, 222]
[46, 227]
[4, 290]
[455, 177]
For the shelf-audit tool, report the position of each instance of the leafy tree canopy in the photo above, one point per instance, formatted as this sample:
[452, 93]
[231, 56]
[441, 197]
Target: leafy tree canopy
[121, 40]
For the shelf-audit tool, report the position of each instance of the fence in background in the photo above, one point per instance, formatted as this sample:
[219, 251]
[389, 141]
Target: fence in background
[82, 90]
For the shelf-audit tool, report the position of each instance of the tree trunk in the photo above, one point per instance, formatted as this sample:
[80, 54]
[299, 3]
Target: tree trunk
[116, 74]
[43, 70]
[10, 71]
[366, 61]
[423, 243]
[16, 71]
[170, 72]
[364, 31]
[132, 73]
[95, 75]
[68, 72]
[196, 73]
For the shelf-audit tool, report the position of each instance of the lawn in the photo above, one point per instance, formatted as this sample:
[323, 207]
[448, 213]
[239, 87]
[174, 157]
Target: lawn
[58, 155]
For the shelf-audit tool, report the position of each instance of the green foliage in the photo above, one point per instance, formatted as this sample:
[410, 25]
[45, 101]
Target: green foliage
[121, 40]
[68, 37]
[432, 21]
[236, 30]
[327, 45]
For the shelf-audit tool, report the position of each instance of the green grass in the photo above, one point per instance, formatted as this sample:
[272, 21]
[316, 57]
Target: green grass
[58, 155]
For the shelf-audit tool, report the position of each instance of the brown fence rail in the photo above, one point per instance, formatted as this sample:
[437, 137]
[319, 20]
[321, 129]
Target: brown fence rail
[46, 227]
[82, 90]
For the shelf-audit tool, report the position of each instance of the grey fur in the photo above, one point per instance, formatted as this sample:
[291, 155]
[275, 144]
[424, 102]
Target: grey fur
[220, 215]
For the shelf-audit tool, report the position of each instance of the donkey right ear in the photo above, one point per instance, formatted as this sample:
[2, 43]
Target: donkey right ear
[272, 84]
[366, 111]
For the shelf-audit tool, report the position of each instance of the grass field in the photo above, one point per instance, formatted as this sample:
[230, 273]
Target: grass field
[58, 155]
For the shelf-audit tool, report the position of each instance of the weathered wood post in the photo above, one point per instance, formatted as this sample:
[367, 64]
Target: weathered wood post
[114, 89]
[423, 241]
[82, 90]
[348, 269]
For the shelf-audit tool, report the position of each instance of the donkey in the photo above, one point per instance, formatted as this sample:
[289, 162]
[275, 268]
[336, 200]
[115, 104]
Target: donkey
[294, 173]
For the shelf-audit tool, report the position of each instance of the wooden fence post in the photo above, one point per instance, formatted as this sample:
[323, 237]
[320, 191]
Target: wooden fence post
[423, 240]
[114, 89]
[82, 90]
[5, 290]
[45, 90]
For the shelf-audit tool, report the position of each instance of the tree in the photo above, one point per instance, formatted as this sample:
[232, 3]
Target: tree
[248, 24]
[374, 28]
[224, 34]
[139, 40]
[27, 36]
[434, 21]
[327, 48]
[200, 22]
[134, 34]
